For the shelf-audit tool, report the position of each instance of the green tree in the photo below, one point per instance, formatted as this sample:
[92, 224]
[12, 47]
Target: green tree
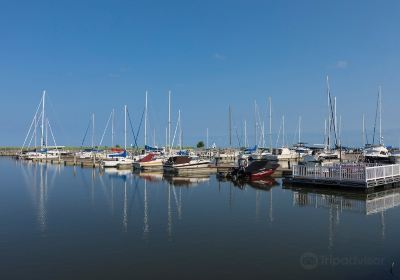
[200, 144]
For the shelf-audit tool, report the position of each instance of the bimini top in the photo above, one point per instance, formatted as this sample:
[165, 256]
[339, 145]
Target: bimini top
[153, 149]
[121, 154]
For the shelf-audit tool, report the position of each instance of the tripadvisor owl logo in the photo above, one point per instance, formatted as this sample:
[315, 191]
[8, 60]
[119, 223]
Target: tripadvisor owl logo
[309, 261]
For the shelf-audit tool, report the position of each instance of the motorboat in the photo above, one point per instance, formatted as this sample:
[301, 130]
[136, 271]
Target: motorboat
[253, 170]
[151, 161]
[118, 158]
[376, 153]
[185, 162]
[285, 153]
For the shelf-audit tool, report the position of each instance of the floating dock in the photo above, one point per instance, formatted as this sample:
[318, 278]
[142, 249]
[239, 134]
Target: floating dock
[357, 175]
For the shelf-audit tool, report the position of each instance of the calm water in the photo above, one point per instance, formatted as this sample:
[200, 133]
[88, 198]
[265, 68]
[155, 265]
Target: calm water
[73, 223]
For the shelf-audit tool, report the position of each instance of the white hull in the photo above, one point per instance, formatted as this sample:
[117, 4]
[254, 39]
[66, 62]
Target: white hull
[156, 164]
[118, 162]
[198, 166]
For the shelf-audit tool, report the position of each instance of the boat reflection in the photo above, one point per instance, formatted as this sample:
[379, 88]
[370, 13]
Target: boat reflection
[262, 184]
[265, 184]
[150, 176]
[117, 173]
[186, 180]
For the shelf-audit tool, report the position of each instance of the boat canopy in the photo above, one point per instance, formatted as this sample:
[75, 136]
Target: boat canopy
[152, 149]
[183, 153]
[250, 150]
[122, 154]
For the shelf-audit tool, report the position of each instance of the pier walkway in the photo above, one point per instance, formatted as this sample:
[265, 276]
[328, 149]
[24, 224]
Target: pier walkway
[358, 175]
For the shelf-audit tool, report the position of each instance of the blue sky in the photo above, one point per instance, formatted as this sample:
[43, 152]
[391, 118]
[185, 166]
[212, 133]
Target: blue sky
[92, 56]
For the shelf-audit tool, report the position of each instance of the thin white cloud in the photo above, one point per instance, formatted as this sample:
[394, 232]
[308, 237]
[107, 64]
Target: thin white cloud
[219, 56]
[114, 75]
[342, 64]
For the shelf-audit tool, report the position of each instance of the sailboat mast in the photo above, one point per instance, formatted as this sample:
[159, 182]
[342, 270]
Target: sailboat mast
[256, 123]
[329, 114]
[92, 130]
[299, 129]
[230, 126]
[180, 129]
[42, 134]
[112, 128]
[283, 131]
[270, 124]
[335, 121]
[145, 121]
[340, 131]
[207, 139]
[380, 116]
[125, 127]
[169, 121]
[325, 137]
[363, 130]
[245, 133]
[263, 134]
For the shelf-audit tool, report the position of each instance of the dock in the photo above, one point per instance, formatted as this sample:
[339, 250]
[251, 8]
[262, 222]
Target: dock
[70, 161]
[356, 175]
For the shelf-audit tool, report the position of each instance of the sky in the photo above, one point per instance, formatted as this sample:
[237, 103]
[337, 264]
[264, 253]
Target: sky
[93, 56]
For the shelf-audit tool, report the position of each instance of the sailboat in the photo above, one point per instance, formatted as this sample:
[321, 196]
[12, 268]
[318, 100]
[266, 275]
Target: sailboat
[153, 157]
[93, 152]
[183, 160]
[119, 157]
[377, 153]
[328, 153]
[283, 153]
[45, 151]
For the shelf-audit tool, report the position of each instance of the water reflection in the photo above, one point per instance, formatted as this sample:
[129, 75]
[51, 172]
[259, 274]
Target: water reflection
[363, 203]
[87, 214]
[36, 177]
[129, 196]
[376, 203]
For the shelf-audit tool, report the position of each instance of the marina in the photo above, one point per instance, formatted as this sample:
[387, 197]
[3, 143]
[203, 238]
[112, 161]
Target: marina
[200, 140]
[129, 221]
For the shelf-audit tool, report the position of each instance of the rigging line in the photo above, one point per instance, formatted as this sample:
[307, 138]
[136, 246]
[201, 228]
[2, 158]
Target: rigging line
[104, 132]
[33, 134]
[30, 127]
[332, 116]
[86, 132]
[132, 130]
[176, 129]
[52, 135]
[56, 120]
[333, 120]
